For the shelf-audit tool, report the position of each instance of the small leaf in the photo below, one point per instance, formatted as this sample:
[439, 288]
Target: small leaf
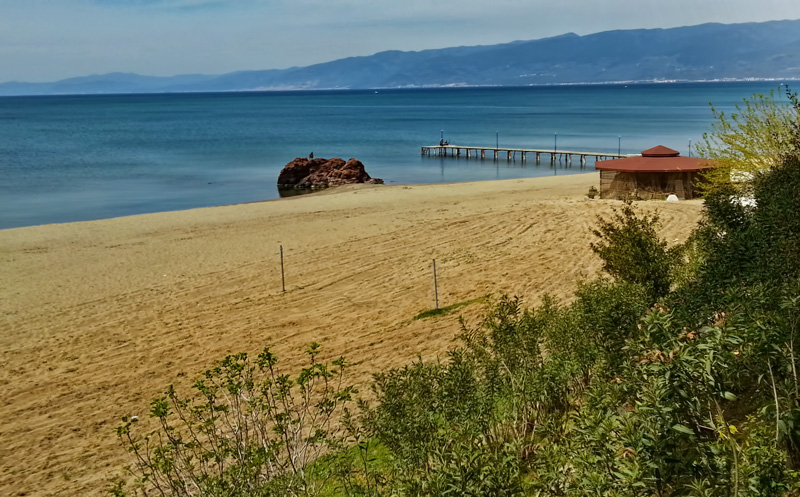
[683, 429]
[729, 396]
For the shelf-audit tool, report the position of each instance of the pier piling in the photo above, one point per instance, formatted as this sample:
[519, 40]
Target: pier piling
[511, 153]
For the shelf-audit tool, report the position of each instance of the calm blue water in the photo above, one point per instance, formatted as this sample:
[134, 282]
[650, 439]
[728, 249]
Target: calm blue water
[73, 158]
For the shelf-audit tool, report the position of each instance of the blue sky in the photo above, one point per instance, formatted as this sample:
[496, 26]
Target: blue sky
[46, 40]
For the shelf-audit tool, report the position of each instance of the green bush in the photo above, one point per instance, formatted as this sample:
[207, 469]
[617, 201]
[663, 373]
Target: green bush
[743, 245]
[248, 430]
[631, 250]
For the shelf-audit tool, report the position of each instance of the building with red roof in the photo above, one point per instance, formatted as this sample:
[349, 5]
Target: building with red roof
[657, 173]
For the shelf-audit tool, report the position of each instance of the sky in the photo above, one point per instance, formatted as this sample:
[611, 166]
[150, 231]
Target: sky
[47, 40]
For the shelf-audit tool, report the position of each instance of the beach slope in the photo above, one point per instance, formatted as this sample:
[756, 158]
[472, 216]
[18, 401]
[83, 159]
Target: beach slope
[96, 318]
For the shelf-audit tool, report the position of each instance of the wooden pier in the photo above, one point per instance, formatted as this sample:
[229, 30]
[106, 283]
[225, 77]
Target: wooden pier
[511, 153]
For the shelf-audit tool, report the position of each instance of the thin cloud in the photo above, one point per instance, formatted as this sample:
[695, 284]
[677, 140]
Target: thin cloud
[43, 40]
[185, 6]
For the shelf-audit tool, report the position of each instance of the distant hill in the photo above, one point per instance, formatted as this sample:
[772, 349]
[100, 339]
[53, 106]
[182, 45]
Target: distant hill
[695, 53]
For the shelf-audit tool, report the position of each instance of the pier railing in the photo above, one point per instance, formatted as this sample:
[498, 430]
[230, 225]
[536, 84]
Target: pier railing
[470, 151]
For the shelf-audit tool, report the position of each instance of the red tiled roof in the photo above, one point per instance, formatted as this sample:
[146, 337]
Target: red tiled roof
[658, 159]
[660, 151]
[653, 164]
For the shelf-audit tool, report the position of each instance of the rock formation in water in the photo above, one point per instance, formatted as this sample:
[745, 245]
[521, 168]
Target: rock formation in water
[322, 173]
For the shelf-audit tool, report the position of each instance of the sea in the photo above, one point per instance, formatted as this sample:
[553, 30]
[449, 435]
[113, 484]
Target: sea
[85, 157]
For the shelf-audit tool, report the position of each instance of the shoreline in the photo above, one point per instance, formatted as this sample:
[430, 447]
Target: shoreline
[100, 316]
[314, 192]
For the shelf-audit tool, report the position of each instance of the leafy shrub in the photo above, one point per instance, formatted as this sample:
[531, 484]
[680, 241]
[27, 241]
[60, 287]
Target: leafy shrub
[745, 245]
[607, 314]
[755, 138]
[248, 430]
[632, 251]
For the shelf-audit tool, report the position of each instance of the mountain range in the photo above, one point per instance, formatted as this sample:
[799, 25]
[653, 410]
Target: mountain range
[767, 50]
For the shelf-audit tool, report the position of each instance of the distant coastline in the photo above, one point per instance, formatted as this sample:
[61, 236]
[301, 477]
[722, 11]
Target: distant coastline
[643, 82]
[541, 85]
[748, 52]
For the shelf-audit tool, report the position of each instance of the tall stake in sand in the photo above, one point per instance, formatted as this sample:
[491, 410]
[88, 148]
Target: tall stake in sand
[283, 278]
[435, 288]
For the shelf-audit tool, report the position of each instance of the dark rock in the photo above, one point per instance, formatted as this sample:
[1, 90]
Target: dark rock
[322, 173]
[295, 171]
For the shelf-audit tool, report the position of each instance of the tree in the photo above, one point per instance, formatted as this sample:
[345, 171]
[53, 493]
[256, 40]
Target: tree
[756, 137]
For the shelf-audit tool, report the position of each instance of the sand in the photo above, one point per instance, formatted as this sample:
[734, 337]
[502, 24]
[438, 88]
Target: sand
[96, 318]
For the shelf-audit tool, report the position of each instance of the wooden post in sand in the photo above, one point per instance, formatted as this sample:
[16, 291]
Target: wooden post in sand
[283, 278]
[435, 288]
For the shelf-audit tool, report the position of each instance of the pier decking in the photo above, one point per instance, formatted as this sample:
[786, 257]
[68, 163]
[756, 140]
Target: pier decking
[470, 151]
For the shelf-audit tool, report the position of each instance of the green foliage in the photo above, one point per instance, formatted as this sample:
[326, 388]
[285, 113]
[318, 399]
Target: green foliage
[632, 251]
[248, 430]
[776, 219]
[355, 470]
[743, 245]
[607, 313]
[756, 137]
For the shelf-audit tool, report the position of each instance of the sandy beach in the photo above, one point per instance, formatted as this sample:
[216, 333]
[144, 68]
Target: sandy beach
[99, 317]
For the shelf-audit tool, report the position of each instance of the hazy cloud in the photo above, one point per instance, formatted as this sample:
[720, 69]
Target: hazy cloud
[44, 40]
[168, 5]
